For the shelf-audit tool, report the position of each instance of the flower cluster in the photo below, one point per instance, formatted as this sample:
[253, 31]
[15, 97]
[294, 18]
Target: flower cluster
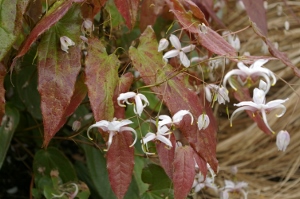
[177, 52]
[258, 103]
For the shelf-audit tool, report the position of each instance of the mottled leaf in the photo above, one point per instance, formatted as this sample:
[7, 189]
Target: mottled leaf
[56, 12]
[257, 13]
[275, 52]
[53, 159]
[2, 90]
[166, 155]
[212, 41]
[184, 171]
[128, 9]
[57, 71]
[120, 163]
[170, 87]
[8, 126]
[10, 23]
[101, 79]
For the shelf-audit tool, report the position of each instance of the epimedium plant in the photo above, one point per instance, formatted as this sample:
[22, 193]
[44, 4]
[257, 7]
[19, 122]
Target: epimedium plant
[70, 66]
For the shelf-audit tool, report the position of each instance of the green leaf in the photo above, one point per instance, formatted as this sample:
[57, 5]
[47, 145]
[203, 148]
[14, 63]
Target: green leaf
[11, 12]
[8, 126]
[53, 159]
[156, 177]
[96, 164]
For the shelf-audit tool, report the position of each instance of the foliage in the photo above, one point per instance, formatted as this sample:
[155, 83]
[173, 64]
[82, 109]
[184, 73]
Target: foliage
[65, 64]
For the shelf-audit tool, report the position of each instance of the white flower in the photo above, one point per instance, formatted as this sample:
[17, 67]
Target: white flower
[199, 183]
[160, 135]
[219, 93]
[139, 98]
[234, 41]
[178, 51]
[112, 128]
[163, 44]
[286, 25]
[259, 104]
[87, 27]
[252, 72]
[177, 117]
[203, 121]
[203, 28]
[282, 140]
[65, 42]
[233, 187]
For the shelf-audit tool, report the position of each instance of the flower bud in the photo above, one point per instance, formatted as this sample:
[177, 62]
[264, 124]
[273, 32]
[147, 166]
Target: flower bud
[282, 140]
[65, 43]
[163, 44]
[203, 121]
[76, 125]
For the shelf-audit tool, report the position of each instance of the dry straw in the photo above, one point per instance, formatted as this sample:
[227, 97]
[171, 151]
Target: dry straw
[270, 173]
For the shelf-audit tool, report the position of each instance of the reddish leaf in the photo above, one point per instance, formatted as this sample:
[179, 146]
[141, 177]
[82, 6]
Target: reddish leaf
[128, 9]
[201, 164]
[57, 11]
[57, 72]
[78, 96]
[196, 11]
[147, 14]
[2, 90]
[124, 86]
[257, 13]
[207, 5]
[275, 52]
[184, 171]
[101, 79]
[166, 156]
[120, 163]
[92, 7]
[211, 40]
[172, 90]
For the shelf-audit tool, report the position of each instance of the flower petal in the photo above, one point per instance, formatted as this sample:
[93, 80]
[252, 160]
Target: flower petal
[184, 59]
[282, 140]
[203, 121]
[177, 117]
[171, 53]
[188, 48]
[124, 97]
[175, 42]
[164, 140]
[132, 130]
[163, 44]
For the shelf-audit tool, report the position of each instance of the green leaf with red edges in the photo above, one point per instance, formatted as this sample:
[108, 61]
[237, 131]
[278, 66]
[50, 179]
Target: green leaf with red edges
[170, 87]
[275, 52]
[123, 87]
[128, 9]
[101, 73]
[212, 41]
[120, 163]
[257, 13]
[56, 12]
[2, 90]
[184, 171]
[57, 71]
[166, 155]
[11, 21]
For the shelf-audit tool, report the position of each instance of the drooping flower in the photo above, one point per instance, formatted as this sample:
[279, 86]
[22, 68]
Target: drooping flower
[282, 140]
[253, 72]
[179, 51]
[139, 98]
[163, 44]
[65, 42]
[87, 27]
[259, 104]
[214, 92]
[177, 117]
[203, 121]
[160, 135]
[113, 128]
[233, 187]
[199, 183]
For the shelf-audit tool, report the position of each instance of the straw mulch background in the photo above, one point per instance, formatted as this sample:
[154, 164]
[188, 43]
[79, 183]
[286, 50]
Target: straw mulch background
[269, 173]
